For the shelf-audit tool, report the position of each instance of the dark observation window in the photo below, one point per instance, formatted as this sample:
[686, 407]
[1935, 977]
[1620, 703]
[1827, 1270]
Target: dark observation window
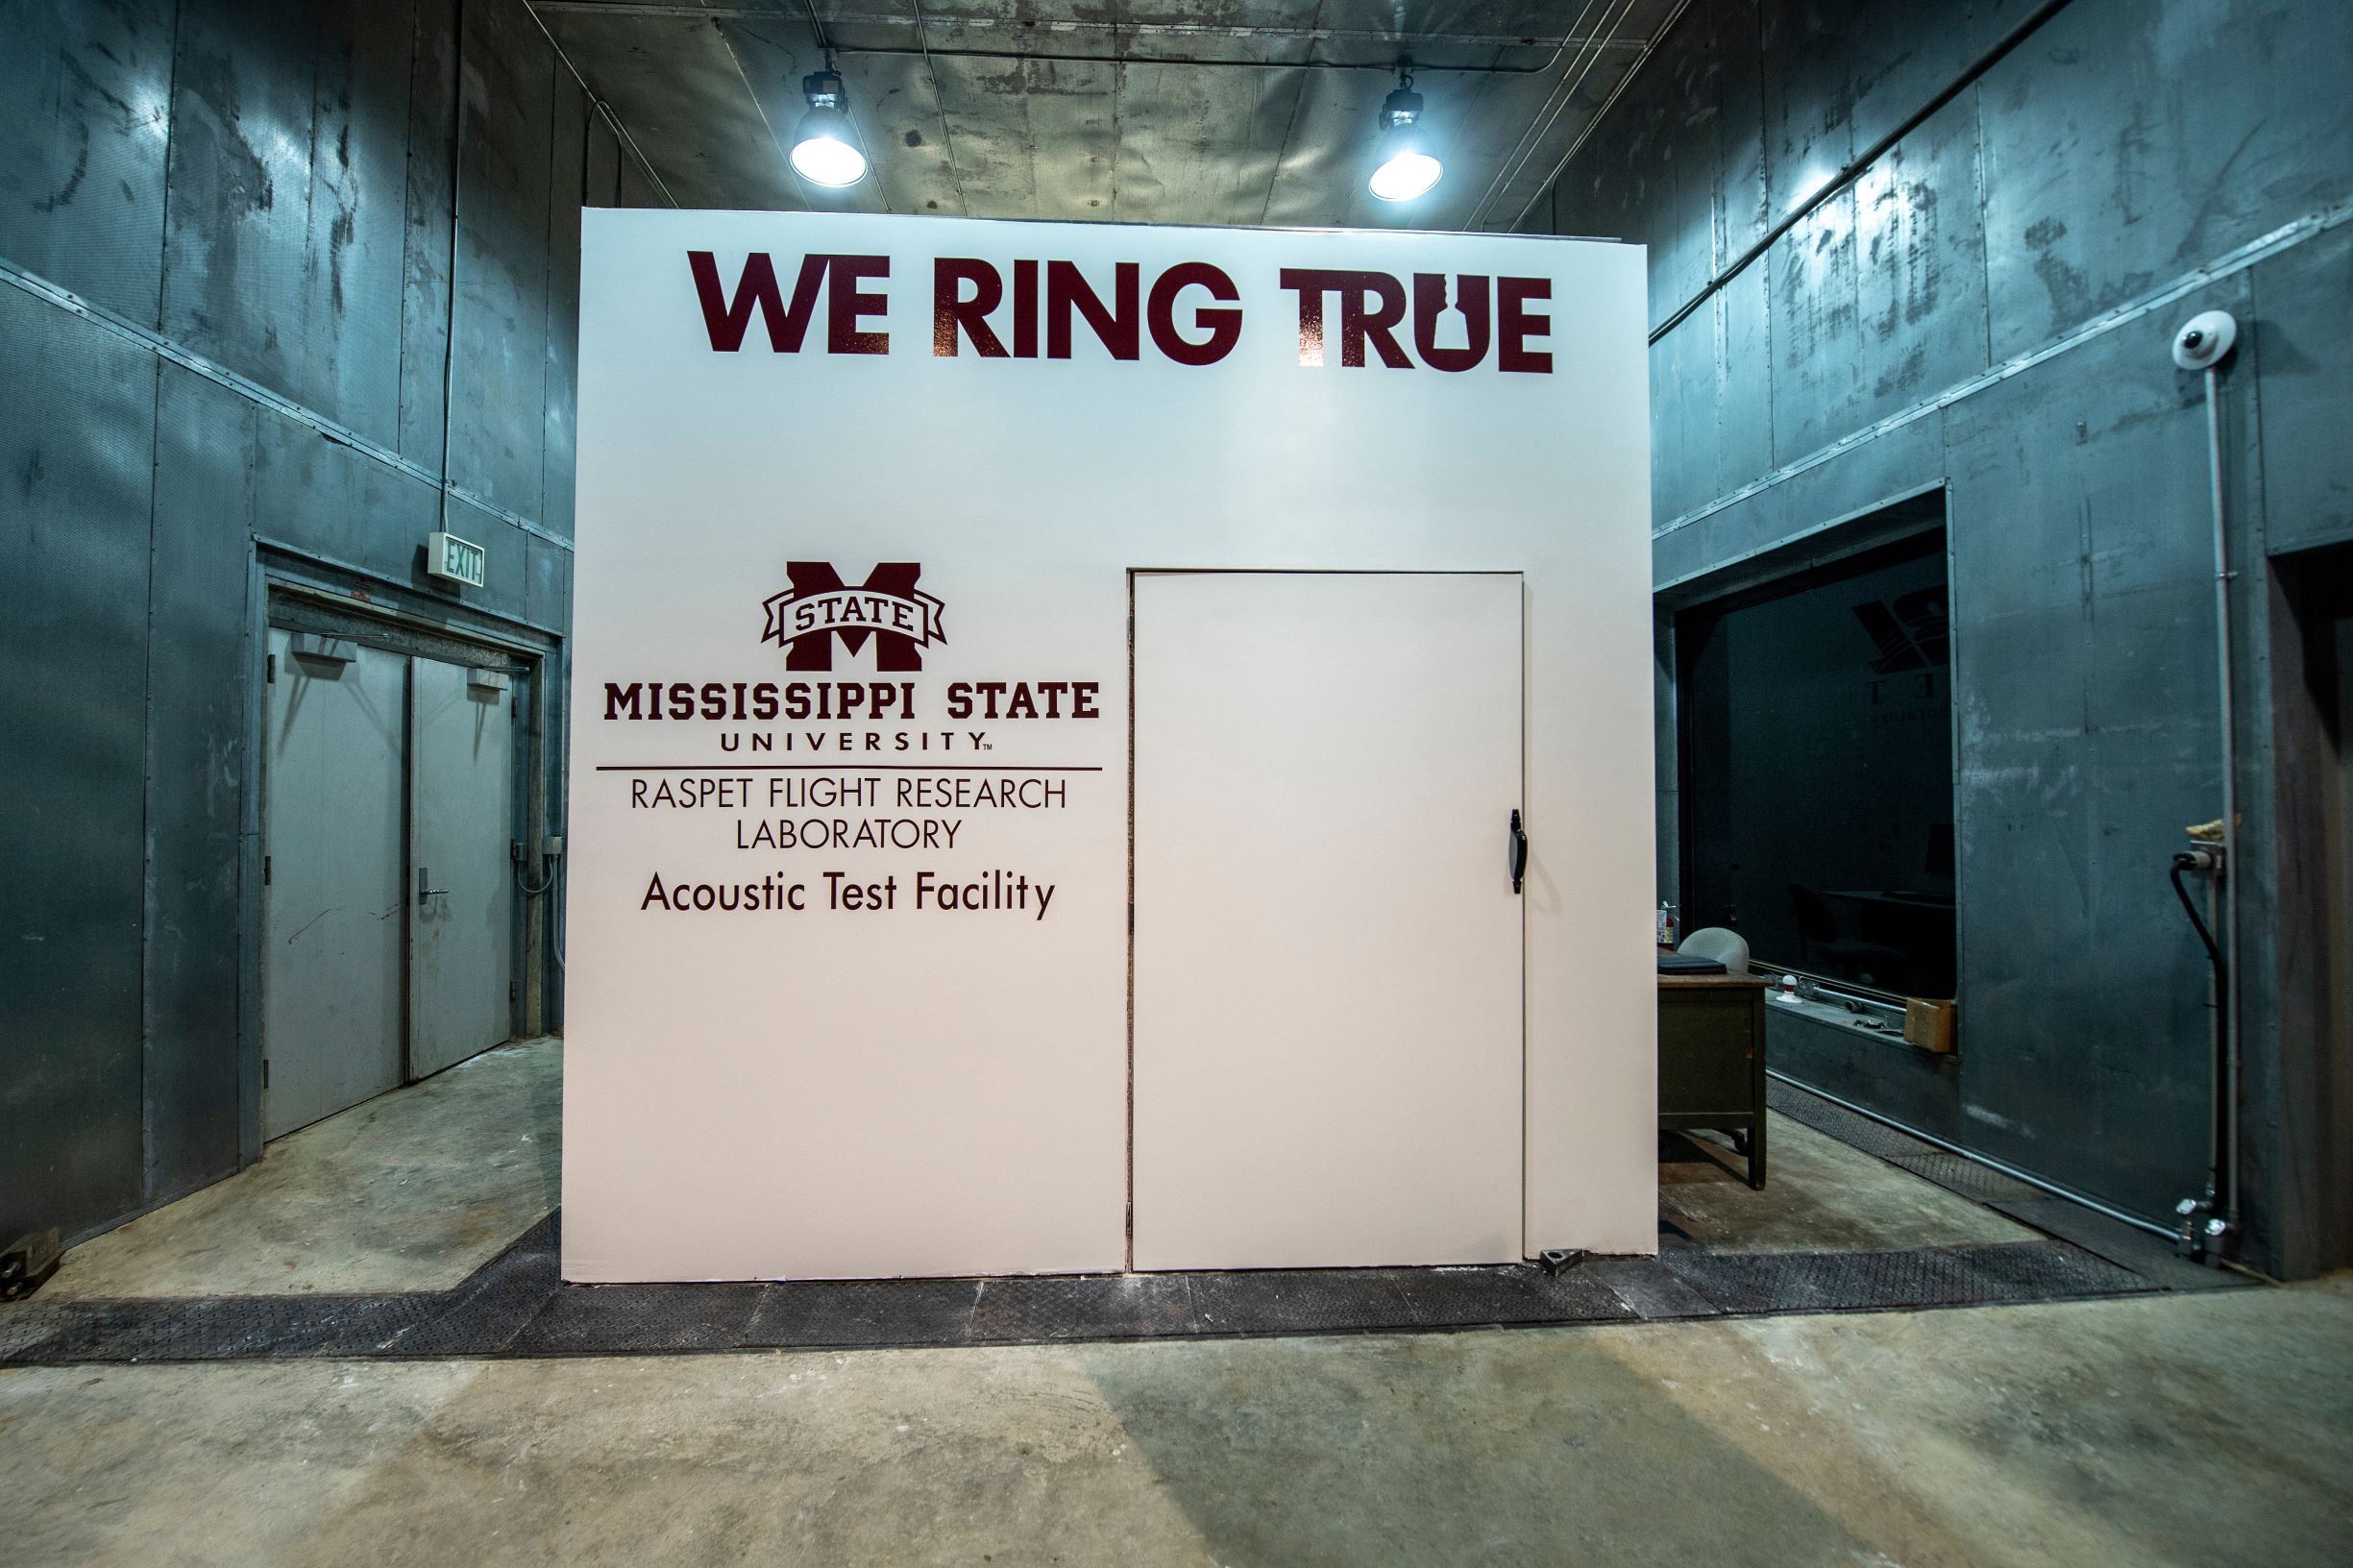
[1816, 762]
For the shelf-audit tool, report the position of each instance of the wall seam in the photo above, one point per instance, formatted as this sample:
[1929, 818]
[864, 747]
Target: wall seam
[2228, 264]
[147, 682]
[187, 358]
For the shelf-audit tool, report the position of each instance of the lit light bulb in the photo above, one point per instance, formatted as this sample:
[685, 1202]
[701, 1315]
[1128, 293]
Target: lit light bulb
[1407, 174]
[822, 154]
[825, 145]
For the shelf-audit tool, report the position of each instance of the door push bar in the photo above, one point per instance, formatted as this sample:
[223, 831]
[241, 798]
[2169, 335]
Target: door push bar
[1519, 852]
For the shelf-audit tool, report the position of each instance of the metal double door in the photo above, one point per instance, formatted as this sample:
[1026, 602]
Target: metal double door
[388, 925]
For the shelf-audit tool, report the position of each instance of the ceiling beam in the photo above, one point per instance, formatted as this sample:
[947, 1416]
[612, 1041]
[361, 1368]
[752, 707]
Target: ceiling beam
[1387, 39]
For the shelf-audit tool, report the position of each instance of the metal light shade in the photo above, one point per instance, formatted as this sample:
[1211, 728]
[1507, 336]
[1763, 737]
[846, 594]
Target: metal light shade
[825, 150]
[1407, 167]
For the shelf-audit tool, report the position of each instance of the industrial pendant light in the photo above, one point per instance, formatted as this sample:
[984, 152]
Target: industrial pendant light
[825, 145]
[1407, 167]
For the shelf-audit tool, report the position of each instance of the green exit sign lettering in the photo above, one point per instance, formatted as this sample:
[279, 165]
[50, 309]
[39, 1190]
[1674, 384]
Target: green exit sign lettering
[453, 559]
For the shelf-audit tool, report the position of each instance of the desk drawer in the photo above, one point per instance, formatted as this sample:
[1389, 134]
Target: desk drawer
[1707, 1052]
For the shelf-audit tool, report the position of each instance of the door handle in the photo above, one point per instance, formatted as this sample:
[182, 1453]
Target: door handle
[1519, 852]
[424, 892]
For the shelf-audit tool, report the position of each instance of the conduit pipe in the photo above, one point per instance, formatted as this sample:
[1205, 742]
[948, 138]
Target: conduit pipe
[2211, 1225]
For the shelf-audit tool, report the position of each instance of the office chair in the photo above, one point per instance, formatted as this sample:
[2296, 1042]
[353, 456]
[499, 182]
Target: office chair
[1729, 948]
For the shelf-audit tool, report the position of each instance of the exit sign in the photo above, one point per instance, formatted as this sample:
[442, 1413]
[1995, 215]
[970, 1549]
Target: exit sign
[453, 559]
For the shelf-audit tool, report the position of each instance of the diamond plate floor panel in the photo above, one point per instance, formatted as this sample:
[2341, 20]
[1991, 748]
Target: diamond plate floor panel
[1818, 1282]
[849, 1313]
[638, 1319]
[1085, 1306]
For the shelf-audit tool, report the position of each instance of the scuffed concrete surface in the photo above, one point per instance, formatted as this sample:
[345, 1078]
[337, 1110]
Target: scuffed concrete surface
[413, 1190]
[1819, 1196]
[2192, 1430]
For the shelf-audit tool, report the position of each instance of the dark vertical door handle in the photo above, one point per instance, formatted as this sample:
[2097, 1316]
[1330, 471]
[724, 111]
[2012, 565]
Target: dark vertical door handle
[1519, 852]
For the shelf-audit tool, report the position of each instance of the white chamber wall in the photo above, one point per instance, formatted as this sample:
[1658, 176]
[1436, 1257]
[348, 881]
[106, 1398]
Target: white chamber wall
[838, 1091]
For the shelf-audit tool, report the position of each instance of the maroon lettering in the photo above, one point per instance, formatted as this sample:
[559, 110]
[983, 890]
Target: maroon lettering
[1026, 310]
[846, 304]
[1429, 301]
[1516, 324]
[726, 320]
[1117, 328]
[1311, 285]
[1361, 320]
[951, 313]
[1360, 324]
[1224, 327]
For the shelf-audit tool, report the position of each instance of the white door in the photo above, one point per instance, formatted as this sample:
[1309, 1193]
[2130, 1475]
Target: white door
[1328, 1024]
[462, 873]
[332, 891]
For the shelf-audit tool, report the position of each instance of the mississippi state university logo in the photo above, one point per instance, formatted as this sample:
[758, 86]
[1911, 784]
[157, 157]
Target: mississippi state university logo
[819, 609]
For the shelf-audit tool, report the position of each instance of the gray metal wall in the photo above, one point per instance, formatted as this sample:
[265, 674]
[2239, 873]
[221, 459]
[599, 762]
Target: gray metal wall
[1987, 308]
[229, 230]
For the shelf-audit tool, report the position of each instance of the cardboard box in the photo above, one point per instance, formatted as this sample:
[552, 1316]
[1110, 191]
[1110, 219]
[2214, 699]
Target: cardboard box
[1928, 1025]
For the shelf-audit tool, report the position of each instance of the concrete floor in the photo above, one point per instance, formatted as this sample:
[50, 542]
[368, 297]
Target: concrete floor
[2201, 1428]
[1819, 1196]
[413, 1190]
[2191, 1429]
[417, 1189]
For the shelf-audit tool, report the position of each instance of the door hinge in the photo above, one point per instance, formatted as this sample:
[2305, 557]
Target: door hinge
[265, 1072]
[270, 674]
[265, 870]
[510, 990]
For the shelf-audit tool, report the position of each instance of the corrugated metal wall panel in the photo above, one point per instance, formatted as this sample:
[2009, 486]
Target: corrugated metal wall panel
[425, 271]
[358, 241]
[2123, 149]
[237, 245]
[2303, 322]
[2083, 670]
[197, 696]
[77, 445]
[2125, 144]
[1921, 246]
[305, 244]
[506, 83]
[567, 155]
[1808, 97]
[290, 165]
[83, 91]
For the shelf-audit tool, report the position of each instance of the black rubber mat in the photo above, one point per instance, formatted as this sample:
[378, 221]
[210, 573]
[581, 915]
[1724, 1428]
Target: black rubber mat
[2153, 1258]
[515, 1307]
[1961, 1276]
[516, 1304]
[850, 1313]
[1085, 1306]
[1970, 1178]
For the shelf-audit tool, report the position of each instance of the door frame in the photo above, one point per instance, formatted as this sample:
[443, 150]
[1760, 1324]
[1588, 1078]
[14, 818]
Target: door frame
[1136, 571]
[291, 591]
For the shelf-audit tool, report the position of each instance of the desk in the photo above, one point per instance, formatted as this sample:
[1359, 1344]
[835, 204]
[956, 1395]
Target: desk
[1711, 1060]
